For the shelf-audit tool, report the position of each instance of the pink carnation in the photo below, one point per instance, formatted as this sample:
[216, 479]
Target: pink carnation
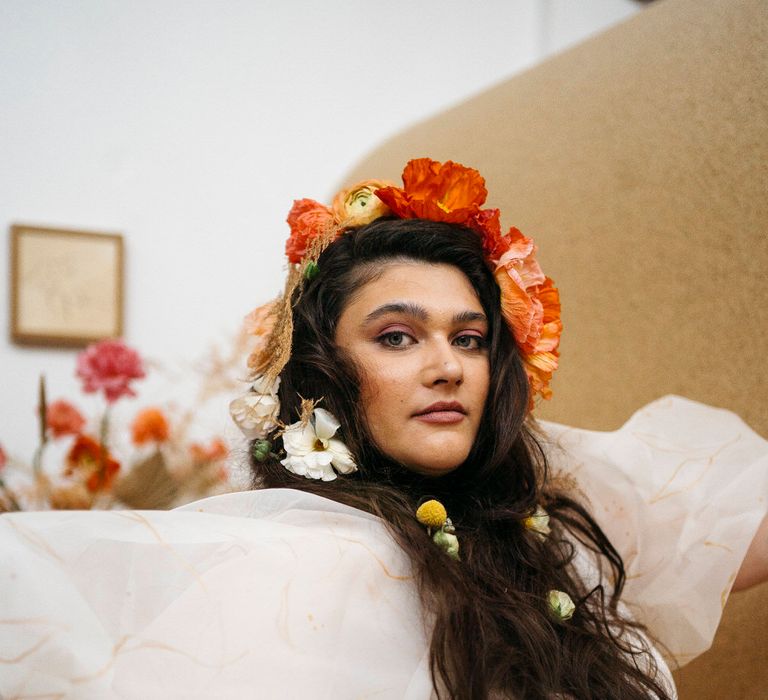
[109, 366]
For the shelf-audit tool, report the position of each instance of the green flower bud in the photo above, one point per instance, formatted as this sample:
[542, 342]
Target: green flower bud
[448, 542]
[261, 450]
[560, 605]
[311, 270]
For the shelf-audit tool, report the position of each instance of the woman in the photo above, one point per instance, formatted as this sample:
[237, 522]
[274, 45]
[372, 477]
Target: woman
[401, 333]
[416, 334]
[394, 381]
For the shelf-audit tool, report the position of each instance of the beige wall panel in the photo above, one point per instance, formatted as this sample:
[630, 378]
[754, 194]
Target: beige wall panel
[639, 163]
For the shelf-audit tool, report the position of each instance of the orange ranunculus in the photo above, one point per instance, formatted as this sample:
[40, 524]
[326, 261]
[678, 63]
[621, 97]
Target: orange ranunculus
[62, 418]
[446, 191]
[214, 451]
[150, 425]
[308, 219]
[359, 204]
[85, 458]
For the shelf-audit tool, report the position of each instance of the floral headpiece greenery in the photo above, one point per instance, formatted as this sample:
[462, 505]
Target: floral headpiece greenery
[448, 192]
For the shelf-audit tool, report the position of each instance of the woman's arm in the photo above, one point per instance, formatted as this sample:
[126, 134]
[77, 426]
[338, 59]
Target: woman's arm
[754, 568]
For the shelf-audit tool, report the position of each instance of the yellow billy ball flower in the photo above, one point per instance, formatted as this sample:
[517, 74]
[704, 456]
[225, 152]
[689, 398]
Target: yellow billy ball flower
[432, 514]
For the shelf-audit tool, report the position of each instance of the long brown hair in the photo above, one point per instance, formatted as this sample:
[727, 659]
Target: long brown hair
[492, 632]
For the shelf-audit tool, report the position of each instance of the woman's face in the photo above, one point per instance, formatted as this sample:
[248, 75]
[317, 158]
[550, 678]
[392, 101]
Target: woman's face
[418, 334]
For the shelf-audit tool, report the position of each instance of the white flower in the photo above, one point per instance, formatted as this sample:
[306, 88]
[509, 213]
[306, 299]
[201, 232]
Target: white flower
[260, 386]
[256, 412]
[561, 605]
[313, 451]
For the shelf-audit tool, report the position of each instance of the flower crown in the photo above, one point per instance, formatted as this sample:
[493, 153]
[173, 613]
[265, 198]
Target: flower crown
[452, 193]
[447, 192]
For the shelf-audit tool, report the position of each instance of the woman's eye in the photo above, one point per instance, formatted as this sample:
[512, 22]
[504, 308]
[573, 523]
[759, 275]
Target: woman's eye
[469, 342]
[395, 339]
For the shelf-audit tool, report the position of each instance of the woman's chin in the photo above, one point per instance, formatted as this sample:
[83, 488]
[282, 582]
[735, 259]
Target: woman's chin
[434, 462]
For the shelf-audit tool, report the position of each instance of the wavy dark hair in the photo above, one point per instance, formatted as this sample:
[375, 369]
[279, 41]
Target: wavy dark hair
[495, 599]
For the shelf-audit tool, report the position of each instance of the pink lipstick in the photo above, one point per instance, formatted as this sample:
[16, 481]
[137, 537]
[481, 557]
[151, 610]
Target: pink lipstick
[442, 412]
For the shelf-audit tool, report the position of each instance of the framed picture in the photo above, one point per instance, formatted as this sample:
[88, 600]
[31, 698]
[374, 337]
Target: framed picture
[66, 286]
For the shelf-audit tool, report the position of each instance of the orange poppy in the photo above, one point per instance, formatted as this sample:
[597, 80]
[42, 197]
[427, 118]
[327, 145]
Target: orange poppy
[150, 425]
[447, 191]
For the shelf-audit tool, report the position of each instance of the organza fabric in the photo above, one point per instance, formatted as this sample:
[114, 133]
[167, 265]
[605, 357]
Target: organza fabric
[281, 594]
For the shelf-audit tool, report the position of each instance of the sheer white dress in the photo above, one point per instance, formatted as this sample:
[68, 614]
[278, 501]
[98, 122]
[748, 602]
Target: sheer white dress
[281, 594]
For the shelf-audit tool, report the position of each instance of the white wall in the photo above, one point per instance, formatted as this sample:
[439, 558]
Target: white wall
[190, 126]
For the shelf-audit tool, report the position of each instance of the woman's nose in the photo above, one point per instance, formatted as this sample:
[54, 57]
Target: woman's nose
[443, 365]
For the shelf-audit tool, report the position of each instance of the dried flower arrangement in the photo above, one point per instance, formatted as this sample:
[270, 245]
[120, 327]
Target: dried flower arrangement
[164, 467]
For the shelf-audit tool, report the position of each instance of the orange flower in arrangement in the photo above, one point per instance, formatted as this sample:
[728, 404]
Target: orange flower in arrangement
[308, 219]
[259, 323]
[541, 363]
[437, 191]
[359, 205]
[215, 451]
[150, 425]
[261, 320]
[62, 418]
[3, 458]
[85, 459]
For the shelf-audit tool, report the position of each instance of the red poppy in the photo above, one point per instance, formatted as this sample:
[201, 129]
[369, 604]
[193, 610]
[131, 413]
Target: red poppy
[308, 219]
[90, 461]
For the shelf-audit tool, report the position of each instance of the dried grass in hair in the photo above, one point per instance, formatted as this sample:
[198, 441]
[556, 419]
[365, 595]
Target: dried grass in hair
[274, 355]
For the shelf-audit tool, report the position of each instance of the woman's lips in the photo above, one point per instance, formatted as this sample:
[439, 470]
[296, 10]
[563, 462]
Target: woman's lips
[441, 417]
[442, 412]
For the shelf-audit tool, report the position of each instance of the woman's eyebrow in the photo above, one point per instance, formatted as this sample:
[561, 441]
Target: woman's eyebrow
[469, 316]
[398, 307]
[419, 312]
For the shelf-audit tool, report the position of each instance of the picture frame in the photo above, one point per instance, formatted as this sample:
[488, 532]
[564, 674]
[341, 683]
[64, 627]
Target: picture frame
[66, 286]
